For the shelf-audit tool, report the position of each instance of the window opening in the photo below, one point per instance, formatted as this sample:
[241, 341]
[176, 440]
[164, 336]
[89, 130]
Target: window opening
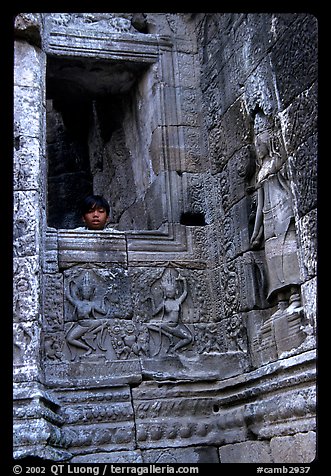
[93, 137]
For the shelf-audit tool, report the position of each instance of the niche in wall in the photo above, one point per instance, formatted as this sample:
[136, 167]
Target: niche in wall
[99, 131]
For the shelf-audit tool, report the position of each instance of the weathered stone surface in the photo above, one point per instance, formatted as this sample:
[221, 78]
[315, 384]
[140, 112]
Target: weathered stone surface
[309, 298]
[26, 221]
[29, 26]
[118, 457]
[185, 332]
[304, 183]
[96, 372]
[27, 163]
[299, 66]
[80, 246]
[247, 452]
[205, 367]
[37, 422]
[181, 455]
[26, 289]
[308, 231]
[300, 118]
[28, 115]
[299, 448]
[230, 134]
[99, 418]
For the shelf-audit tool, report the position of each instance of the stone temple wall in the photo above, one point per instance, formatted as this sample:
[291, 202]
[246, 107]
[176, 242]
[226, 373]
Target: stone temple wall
[186, 333]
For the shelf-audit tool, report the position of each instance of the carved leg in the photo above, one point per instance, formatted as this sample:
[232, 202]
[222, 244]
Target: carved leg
[294, 301]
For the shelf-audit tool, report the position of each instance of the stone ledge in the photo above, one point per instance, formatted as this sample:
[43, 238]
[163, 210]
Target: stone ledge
[83, 374]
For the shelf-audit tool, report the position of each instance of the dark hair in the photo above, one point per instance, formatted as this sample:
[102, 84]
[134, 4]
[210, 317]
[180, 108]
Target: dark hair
[93, 201]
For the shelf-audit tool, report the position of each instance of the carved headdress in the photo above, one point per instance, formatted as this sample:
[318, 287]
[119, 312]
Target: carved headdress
[87, 287]
[169, 279]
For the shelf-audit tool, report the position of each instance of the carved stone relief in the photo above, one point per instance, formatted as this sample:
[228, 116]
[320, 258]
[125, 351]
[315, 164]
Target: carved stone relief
[166, 324]
[26, 289]
[274, 222]
[93, 21]
[53, 302]
[115, 316]
[274, 230]
[94, 298]
[154, 337]
[25, 336]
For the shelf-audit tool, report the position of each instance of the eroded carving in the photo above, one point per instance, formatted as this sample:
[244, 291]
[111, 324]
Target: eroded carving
[168, 327]
[94, 21]
[22, 337]
[87, 309]
[274, 228]
[237, 334]
[94, 300]
[274, 222]
[53, 346]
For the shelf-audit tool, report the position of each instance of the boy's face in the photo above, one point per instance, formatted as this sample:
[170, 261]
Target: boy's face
[96, 218]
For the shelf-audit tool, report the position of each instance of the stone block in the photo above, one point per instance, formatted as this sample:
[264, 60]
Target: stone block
[213, 366]
[299, 119]
[28, 111]
[26, 223]
[29, 27]
[308, 242]
[190, 112]
[243, 281]
[82, 246]
[196, 155]
[99, 419]
[29, 65]
[27, 163]
[303, 173]
[260, 88]
[195, 194]
[53, 302]
[309, 302]
[230, 134]
[92, 373]
[246, 452]
[296, 449]
[92, 42]
[196, 454]
[171, 243]
[273, 337]
[286, 411]
[254, 323]
[148, 287]
[233, 330]
[26, 347]
[279, 23]
[236, 227]
[156, 150]
[187, 70]
[50, 255]
[113, 457]
[298, 68]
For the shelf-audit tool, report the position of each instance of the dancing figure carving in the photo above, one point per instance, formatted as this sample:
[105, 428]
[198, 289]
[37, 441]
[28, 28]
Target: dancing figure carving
[169, 311]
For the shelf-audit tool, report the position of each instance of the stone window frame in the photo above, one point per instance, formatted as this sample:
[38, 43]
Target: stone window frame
[172, 241]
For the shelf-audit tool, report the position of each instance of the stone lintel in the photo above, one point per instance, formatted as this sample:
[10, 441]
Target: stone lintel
[117, 46]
